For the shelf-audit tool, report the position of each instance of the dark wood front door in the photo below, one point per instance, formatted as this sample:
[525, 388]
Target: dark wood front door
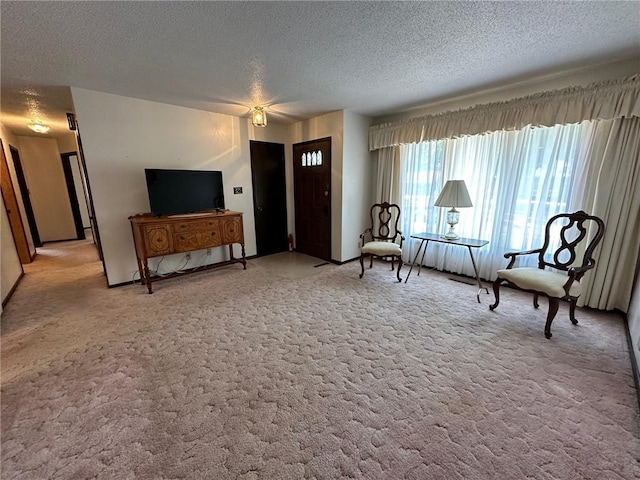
[269, 197]
[312, 191]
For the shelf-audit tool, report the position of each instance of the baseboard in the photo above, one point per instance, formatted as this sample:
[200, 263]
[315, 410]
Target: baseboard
[632, 355]
[13, 289]
[63, 240]
[346, 261]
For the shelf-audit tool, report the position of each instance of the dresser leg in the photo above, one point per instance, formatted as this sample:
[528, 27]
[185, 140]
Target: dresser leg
[147, 277]
[140, 270]
[244, 259]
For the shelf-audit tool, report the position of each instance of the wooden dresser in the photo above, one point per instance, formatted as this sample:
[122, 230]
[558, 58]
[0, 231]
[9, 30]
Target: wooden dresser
[157, 236]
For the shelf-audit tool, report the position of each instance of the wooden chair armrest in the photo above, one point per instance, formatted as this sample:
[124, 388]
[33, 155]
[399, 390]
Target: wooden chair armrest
[363, 235]
[576, 273]
[514, 256]
[572, 273]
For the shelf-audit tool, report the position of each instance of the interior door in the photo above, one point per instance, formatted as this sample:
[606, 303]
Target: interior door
[312, 191]
[26, 196]
[269, 197]
[13, 212]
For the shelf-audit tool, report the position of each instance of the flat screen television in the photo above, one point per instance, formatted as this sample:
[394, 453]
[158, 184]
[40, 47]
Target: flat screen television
[183, 191]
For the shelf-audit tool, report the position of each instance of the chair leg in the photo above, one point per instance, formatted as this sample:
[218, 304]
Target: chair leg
[392, 264]
[399, 267]
[554, 303]
[361, 265]
[371, 261]
[535, 300]
[496, 293]
[572, 310]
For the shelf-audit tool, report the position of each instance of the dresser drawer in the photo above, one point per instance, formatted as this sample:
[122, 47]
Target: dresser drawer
[196, 240]
[192, 225]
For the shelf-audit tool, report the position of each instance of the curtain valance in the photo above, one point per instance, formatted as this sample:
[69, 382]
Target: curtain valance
[602, 101]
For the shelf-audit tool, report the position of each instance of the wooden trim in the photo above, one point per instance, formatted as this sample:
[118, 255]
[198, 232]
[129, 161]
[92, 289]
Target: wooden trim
[13, 211]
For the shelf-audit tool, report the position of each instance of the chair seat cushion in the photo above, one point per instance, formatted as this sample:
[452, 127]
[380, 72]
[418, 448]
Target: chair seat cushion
[540, 280]
[381, 248]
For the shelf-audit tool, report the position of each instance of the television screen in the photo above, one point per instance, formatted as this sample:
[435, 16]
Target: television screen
[183, 191]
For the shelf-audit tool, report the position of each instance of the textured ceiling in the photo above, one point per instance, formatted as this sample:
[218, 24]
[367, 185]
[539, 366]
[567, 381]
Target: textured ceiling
[300, 58]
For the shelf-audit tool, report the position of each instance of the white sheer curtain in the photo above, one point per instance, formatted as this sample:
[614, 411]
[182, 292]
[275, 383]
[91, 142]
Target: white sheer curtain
[388, 175]
[422, 168]
[517, 180]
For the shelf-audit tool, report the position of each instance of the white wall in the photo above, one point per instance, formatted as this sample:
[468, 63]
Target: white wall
[67, 143]
[49, 197]
[9, 139]
[328, 125]
[122, 136]
[357, 175]
[10, 267]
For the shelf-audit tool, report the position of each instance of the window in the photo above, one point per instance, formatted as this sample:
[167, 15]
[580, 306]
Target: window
[311, 159]
[517, 180]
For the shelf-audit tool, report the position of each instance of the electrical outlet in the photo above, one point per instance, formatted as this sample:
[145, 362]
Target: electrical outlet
[237, 190]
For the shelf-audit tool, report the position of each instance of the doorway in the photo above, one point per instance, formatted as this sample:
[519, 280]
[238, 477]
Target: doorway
[26, 196]
[312, 193]
[73, 193]
[269, 197]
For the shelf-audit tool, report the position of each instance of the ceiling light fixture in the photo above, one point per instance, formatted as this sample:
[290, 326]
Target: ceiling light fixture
[39, 127]
[259, 117]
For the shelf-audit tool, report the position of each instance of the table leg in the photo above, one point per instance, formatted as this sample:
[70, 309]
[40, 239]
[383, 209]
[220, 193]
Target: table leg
[475, 269]
[424, 252]
[414, 260]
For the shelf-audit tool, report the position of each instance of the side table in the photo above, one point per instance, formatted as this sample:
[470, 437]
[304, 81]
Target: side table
[470, 243]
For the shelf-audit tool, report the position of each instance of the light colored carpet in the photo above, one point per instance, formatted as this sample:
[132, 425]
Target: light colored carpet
[233, 374]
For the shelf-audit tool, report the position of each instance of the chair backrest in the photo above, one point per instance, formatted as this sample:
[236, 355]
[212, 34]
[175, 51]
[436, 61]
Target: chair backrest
[384, 222]
[571, 231]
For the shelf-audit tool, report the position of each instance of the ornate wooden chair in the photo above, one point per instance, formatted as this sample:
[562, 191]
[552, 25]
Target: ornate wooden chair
[564, 282]
[381, 239]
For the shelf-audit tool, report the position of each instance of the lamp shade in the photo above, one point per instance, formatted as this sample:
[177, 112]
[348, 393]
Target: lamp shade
[454, 194]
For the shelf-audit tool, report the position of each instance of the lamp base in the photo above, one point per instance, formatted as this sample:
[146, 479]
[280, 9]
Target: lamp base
[452, 219]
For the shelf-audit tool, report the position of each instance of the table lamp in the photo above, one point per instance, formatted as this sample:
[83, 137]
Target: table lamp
[454, 194]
